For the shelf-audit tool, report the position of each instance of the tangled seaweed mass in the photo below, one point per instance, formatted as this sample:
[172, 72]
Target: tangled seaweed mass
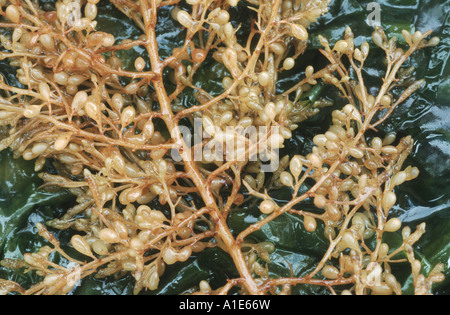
[157, 181]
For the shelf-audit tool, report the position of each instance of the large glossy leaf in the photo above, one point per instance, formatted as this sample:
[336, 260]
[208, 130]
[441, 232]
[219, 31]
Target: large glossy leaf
[22, 205]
